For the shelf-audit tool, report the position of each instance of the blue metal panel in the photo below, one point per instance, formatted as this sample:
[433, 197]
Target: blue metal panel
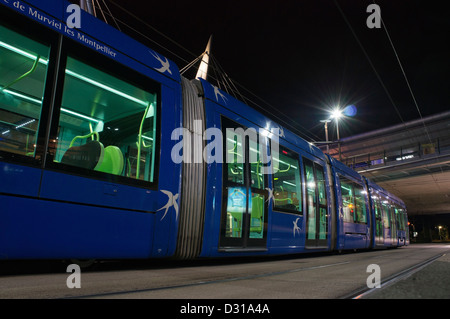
[355, 241]
[356, 236]
[19, 179]
[53, 8]
[78, 189]
[166, 222]
[286, 237]
[33, 228]
[213, 199]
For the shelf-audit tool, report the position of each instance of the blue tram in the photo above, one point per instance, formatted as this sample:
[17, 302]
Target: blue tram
[92, 124]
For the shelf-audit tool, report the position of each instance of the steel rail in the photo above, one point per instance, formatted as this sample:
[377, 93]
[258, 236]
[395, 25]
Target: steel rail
[389, 281]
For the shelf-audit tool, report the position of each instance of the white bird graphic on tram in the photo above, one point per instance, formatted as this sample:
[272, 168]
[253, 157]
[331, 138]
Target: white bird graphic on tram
[171, 202]
[296, 228]
[165, 65]
[217, 93]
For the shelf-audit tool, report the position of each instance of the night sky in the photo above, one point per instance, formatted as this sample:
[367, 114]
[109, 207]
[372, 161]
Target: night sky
[302, 58]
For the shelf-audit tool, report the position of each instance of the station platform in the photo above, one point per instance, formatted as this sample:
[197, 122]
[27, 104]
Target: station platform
[430, 282]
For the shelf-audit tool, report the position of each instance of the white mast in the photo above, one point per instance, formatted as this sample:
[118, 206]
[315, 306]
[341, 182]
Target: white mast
[203, 69]
[88, 6]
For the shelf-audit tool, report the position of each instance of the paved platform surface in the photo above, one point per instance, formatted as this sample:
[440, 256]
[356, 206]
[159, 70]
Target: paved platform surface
[430, 282]
[294, 277]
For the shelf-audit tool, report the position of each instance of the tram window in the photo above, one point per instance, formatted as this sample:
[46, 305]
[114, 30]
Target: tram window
[392, 217]
[378, 215]
[256, 208]
[376, 202]
[106, 124]
[360, 201]
[405, 220]
[311, 199]
[23, 69]
[386, 213]
[287, 182]
[256, 163]
[236, 208]
[353, 201]
[401, 218]
[321, 185]
[235, 156]
[320, 180]
[395, 216]
[348, 199]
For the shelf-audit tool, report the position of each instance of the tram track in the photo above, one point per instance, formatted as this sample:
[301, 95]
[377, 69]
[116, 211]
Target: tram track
[392, 279]
[201, 283]
[327, 276]
[275, 276]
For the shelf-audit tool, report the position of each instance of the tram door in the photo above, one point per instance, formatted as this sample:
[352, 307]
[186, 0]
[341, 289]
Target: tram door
[244, 206]
[379, 238]
[316, 205]
[386, 221]
[394, 235]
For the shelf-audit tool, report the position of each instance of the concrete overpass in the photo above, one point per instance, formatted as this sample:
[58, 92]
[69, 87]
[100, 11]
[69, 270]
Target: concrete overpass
[411, 160]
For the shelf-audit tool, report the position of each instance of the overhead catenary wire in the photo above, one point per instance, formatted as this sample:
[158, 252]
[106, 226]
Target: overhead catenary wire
[371, 64]
[411, 92]
[289, 123]
[110, 14]
[375, 70]
[154, 29]
[369, 60]
[230, 86]
[381, 81]
[404, 75]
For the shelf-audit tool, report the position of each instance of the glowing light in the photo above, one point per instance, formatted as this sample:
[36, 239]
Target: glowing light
[25, 124]
[22, 52]
[350, 110]
[105, 87]
[336, 114]
[74, 74]
[288, 183]
[404, 157]
[80, 115]
[22, 96]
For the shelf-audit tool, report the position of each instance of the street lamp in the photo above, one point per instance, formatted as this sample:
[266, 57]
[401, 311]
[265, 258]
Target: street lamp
[337, 114]
[326, 133]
